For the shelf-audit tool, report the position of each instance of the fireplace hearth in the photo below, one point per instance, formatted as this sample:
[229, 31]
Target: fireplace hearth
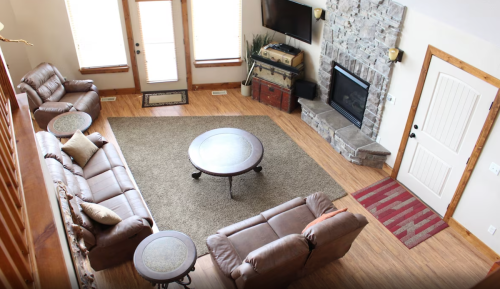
[348, 94]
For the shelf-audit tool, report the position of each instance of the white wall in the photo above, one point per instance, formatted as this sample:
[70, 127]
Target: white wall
[46, 25]
[480, 203]
[251, 24]
[14, 53]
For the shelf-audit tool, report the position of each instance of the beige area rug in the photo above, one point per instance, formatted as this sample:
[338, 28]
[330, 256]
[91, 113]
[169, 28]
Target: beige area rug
[156, 150]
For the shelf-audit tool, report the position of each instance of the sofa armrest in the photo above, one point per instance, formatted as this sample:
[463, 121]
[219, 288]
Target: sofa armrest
[49, 145]
[122, 231]
[34, 99]
[97, 139]
[94, 88]
[223, 253]
[78, 85]
[55, 107]
[334, 228]
[319, 204]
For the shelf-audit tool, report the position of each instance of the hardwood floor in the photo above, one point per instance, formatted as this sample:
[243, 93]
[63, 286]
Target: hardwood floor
[376, 260]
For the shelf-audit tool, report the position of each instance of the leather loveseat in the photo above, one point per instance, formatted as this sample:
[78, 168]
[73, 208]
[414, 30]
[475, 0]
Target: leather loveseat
[102, 181]
[50, 95]
[270, 251]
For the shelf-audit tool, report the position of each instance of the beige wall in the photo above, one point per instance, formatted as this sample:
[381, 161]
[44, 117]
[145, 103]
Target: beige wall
[46, 24]
[14, 53]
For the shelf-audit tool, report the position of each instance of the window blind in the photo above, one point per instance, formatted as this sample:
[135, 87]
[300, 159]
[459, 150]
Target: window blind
[216, 29]
[97, 32]
[157, 31]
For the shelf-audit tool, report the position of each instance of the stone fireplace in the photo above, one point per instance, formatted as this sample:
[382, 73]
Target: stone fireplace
[357, 35]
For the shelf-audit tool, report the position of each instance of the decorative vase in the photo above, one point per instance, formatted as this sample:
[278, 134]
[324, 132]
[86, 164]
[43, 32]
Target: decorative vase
[246, 90]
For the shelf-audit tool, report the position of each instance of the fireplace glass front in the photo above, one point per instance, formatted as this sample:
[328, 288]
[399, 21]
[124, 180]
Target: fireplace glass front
[348, 94]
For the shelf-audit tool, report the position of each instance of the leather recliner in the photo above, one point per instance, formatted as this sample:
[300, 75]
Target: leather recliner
[270, 251]
[50, 95]
[104, 181]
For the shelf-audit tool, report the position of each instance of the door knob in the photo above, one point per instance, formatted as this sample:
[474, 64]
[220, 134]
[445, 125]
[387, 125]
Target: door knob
[415, 126]
[138, 52]
[412, 135]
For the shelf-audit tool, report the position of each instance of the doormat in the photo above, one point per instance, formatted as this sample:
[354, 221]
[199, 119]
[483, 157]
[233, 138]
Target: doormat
[164, 98]
[400, 212]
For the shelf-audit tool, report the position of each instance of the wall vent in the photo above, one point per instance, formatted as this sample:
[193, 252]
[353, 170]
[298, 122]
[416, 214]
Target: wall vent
[219, 92]
[109, 98]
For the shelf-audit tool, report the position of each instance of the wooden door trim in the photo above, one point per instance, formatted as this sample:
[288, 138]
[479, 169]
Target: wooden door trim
[485, 131]
[187, 43]
[131, 47]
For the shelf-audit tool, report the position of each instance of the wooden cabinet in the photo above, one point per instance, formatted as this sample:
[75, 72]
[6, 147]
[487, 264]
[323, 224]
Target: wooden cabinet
[273, 95]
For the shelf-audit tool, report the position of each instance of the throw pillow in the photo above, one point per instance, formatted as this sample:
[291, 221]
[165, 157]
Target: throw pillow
[80, 148]
[100, 214]
[323, 217]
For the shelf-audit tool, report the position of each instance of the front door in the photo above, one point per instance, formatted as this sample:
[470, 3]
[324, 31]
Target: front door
[450, 115]
[159, 45]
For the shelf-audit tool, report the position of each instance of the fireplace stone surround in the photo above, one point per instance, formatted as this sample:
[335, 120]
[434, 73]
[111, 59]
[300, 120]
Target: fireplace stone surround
[357, 34]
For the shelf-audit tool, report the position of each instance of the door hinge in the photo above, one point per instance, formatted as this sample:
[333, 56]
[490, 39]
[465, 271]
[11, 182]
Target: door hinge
[491, 105]
[467, 161]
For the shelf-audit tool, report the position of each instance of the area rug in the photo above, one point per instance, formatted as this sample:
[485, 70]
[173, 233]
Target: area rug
[400, 212]
[164, 98]
[156, 150]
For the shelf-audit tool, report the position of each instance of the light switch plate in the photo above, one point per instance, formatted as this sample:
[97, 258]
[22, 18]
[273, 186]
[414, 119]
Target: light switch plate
[494, 168]
[391, 99]
[492, 230]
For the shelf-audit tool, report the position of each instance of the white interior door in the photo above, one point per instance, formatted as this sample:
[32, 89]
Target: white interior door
[450, 115]
[159, 44]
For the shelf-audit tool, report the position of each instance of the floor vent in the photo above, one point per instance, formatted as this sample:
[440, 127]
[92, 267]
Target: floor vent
[109, 98]
[219, 92]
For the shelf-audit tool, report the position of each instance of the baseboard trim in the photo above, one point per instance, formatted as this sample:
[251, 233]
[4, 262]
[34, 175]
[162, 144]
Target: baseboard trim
[116, 91]
[214, 86]
[487, 251]
[387, 169]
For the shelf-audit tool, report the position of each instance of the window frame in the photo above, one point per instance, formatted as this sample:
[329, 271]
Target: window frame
[221, 62]
[118, 68]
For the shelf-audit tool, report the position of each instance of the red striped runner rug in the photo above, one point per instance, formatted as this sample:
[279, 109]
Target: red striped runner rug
[400, 212]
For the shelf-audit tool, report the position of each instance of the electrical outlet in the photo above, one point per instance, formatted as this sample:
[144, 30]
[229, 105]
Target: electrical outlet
[391, 99]
[494, 168]
[492, 230]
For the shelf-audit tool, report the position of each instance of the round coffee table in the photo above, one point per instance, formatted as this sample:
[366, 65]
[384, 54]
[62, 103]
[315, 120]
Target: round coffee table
[226, 152]
[66, 124]
[166, 257]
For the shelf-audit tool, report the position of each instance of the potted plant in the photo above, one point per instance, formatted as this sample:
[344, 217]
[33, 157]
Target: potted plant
[259, 41]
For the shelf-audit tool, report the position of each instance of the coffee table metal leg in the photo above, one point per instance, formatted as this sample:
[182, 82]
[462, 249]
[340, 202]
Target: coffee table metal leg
[230, 187]
[196, 175]
[257, 169]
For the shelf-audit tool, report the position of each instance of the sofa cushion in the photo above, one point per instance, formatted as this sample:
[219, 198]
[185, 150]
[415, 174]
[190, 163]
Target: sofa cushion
[98, 164]
[72, 183]
[72, 97]
[101, 214]
[119, 205]
[249, 239]
[123, 179]
[138, 206]
[80, 148]
[283, 207]
[67, 162]
[87, 222]
[85, 193]
[234, 228]
[112, 155]
[51, 90]
[292, 221]
[104, 186]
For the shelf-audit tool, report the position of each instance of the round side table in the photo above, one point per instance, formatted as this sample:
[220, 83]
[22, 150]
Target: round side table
[66, 124]
[166, 257]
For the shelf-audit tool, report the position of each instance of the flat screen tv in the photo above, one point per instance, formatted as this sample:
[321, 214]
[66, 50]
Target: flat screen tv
[290, 18]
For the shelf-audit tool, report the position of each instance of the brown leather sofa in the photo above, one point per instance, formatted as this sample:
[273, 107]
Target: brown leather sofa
[50, 95]
[270, 251]
[103, 181]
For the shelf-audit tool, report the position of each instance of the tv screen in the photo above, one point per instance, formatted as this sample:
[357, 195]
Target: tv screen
[288, 17]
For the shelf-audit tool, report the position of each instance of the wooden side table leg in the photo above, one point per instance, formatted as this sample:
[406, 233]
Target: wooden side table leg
[230, 187]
